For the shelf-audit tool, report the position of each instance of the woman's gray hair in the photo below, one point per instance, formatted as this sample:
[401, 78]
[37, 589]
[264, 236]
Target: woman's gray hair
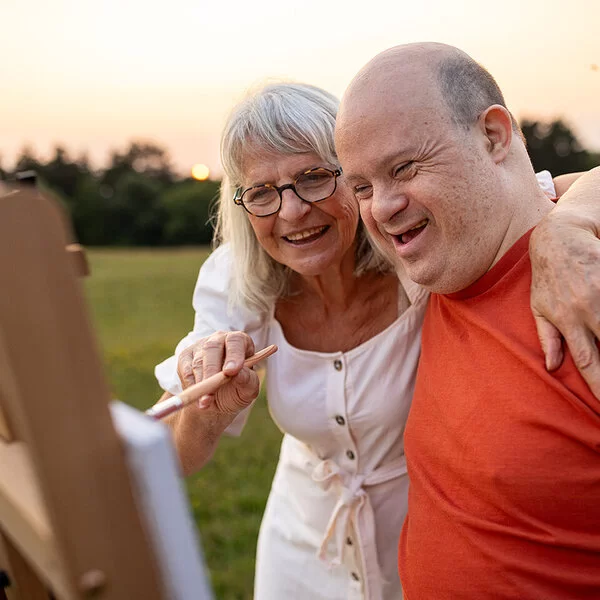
[284, 118]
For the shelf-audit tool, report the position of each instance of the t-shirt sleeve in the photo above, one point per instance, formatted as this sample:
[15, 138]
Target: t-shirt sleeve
[546, 183]
[213, 312]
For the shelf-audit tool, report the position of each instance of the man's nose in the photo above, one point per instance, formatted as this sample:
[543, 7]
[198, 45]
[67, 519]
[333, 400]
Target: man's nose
[386, 204]
[293, 207]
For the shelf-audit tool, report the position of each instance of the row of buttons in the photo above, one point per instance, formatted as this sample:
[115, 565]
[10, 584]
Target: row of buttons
[337, 365]
[341, 421]
[353, 574]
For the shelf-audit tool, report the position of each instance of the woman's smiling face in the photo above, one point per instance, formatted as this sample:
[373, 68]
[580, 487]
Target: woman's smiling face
[307, 237]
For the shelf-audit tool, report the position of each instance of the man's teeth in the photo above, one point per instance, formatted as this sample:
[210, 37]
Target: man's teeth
[301, 235]
[418, 225]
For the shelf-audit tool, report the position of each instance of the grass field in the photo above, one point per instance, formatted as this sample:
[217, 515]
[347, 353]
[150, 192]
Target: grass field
[141, 306]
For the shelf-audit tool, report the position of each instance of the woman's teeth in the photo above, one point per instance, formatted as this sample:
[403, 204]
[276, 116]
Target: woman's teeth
[302, 235]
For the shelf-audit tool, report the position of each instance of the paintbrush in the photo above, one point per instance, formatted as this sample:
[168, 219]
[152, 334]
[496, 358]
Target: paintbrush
[207, 386]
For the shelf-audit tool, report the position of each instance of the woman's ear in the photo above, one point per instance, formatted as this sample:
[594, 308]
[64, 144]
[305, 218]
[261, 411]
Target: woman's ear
[496, 126]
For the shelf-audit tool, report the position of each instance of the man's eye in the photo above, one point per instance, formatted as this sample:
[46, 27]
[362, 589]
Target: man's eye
[404, 169]
[362, 192]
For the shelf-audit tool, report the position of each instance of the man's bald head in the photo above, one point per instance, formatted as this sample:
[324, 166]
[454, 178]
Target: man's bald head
[443, 73]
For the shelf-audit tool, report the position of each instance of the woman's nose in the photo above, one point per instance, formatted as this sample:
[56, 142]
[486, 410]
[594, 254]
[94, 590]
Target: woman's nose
[293, 207]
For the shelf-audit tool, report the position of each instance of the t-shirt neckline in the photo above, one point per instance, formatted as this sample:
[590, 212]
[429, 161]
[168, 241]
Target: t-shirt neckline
[497, 272]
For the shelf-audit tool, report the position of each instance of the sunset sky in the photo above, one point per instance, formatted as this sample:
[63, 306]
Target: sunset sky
[94, 75]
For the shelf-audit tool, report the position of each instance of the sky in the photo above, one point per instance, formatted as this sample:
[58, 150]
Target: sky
[94, 75]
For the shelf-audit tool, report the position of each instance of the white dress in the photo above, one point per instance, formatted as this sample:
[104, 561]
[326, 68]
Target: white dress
[339, 497]
[333, 518]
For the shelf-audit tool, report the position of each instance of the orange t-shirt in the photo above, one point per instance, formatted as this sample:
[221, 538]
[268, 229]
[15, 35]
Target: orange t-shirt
[503, 457]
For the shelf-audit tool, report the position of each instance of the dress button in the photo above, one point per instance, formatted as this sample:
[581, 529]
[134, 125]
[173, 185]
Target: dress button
[349, 541]
[354, 576]
[337, 365]
[350, 454]
[340, 420]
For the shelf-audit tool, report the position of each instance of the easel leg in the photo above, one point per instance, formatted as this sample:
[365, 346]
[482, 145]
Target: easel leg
[26, 585]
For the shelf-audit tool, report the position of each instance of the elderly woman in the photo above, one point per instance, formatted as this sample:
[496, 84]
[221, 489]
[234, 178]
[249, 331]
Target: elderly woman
[295, 268]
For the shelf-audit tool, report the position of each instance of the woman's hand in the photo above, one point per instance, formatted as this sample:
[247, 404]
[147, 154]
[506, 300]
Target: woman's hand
[221, 351]
[565, 290]
[198, 427]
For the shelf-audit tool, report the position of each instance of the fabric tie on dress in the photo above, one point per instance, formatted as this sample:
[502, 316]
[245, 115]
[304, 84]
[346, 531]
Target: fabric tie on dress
[354, 508]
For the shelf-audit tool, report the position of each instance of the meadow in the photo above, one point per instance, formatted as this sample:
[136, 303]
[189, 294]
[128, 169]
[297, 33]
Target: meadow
[141, 306]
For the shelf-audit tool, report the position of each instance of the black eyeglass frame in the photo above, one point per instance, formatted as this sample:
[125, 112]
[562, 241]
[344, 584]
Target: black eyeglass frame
[239, 193]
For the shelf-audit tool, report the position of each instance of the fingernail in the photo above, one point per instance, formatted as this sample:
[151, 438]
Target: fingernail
[229, 365]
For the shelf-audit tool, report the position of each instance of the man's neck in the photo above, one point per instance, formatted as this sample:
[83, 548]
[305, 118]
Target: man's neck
[531, 206]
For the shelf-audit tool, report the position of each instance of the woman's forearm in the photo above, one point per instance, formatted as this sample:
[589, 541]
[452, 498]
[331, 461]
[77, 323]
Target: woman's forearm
[196, 434]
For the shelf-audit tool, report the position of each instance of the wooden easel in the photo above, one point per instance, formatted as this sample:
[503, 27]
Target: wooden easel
[69, 523]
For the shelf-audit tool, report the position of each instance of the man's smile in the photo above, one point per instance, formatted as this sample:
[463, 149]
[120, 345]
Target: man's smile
[411, 233]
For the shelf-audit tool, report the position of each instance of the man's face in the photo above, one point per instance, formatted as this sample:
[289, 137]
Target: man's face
[425, 186]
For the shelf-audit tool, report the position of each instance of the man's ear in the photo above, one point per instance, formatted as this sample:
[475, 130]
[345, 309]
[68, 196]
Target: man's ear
[495, 124]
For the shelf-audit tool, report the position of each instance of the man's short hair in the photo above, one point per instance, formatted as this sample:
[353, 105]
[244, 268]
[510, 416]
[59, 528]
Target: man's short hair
[468, 89]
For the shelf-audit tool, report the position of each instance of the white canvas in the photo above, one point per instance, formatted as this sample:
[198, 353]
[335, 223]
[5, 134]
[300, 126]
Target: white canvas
[162, 501]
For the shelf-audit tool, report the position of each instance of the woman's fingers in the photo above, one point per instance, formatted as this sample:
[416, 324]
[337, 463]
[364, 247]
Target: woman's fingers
[221, 351]
[185, 368]
[212, 354]
[238, 393]
[238, 346]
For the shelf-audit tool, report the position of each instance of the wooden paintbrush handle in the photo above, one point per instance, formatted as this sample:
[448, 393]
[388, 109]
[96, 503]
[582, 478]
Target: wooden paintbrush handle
[207, 386]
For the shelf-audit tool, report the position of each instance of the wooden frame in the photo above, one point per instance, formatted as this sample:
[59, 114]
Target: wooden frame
[69, 520]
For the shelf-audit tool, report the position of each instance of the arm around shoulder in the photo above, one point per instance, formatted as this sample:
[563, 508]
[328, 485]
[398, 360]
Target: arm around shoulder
[563, 182]
[579, 204]
[565, 294]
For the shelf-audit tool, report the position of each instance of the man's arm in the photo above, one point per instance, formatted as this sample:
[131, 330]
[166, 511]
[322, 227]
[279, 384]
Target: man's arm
[563, 182]
[565, 297]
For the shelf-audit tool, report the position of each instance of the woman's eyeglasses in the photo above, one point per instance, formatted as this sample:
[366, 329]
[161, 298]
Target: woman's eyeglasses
[313, 185]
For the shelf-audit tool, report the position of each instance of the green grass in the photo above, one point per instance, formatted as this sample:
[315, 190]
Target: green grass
[141, 306]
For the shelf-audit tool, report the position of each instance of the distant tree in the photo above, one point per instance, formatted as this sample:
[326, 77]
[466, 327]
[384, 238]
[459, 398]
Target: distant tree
[136, 215]
[83, 162]
[62, 173]
[137, 200]
[27, 160]
[92, 212]
[555, 147]
[145, 158]
[188, 210]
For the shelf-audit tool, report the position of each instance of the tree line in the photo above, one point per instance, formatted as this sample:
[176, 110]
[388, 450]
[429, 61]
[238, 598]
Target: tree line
[139, 200]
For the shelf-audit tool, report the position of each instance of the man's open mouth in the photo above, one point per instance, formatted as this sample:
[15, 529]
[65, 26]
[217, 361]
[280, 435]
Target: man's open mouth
[305, 236]
[413, 232]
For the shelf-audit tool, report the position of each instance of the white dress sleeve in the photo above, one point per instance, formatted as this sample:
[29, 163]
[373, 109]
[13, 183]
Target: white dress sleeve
[546, 183]
[213, 312]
